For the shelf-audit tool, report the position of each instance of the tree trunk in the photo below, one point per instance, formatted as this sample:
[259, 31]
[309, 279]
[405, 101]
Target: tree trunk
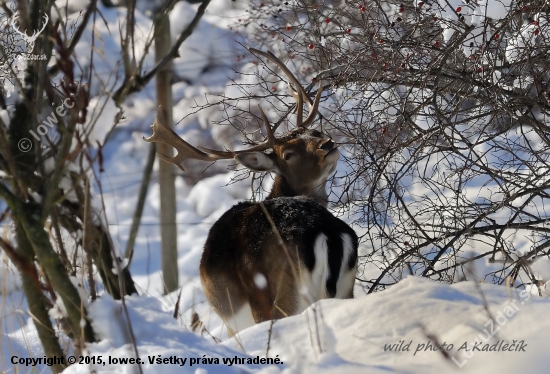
[166, 170]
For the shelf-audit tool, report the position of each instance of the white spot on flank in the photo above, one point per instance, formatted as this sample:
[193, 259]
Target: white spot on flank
[260, 281]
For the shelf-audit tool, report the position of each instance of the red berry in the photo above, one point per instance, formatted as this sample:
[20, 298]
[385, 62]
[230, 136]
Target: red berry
[537, 31]
[436, 44]
[401, 10]
[373, 55]
[479, 69]
[399, 19]
[316, 7]
[420, 3]
[327, 20]
[458, 9]
[311, 46]
[384, 130]
[381, 41]
[272, 88]
[363, 10]
[314, 79]
[524, 8]
[348, 30]
[288, 28]
[385, 64]
[406, 243]
[497, 36]
[402, 65]
[435, 18]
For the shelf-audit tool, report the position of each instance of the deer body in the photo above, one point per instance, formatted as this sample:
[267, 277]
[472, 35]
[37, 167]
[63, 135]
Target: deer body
[249, 277]
[274, 258]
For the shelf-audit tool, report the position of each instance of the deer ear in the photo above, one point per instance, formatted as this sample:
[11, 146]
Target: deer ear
[257, 161]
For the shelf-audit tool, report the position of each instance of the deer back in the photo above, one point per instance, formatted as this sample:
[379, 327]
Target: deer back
[275, 258]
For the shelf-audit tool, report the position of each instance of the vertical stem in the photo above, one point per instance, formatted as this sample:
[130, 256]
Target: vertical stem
[38, 305]
[129, 252]
[51, 264]
[166, 170]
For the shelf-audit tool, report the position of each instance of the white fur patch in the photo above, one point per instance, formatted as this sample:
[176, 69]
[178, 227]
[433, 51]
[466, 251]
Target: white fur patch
[313, 285]
[242, 319]
[346, 278]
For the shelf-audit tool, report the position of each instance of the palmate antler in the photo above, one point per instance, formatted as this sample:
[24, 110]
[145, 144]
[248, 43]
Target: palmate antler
[164, 134]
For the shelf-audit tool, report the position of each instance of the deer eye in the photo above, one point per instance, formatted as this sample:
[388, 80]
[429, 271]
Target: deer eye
[288, 155]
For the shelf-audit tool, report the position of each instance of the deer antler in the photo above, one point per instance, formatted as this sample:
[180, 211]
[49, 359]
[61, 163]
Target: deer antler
[300, 95]
[164, 134]
[269, 143]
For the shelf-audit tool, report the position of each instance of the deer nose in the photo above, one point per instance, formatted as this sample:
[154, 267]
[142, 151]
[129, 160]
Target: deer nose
[328, 145]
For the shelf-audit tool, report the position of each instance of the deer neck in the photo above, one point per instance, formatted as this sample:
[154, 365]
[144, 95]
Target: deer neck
[282, 188]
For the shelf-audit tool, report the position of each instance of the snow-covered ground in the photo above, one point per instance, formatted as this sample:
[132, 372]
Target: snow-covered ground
[492, 329]
[417, 326]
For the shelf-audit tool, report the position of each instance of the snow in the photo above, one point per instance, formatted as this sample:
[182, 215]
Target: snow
[332, 336]
[353, 333]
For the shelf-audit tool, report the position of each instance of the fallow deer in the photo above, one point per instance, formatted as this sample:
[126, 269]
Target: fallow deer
[274, 258]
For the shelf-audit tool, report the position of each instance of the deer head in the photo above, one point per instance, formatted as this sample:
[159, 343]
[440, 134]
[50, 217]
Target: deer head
[29, 40]
[302, 159]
